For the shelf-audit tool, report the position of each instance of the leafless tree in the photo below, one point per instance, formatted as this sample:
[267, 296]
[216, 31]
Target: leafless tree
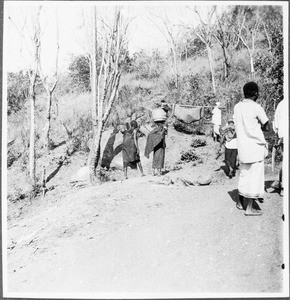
[32, 95]
[204, 33]
[172, 34]
[105, 79]
[49, 89]
[224, 36]
[246, 27]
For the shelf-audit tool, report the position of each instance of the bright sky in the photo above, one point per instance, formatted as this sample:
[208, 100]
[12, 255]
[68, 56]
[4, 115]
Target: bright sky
[144, 31]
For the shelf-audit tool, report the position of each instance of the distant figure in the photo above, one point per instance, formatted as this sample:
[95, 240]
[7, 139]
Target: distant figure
[279, 126]
[130, 148]
[165, 106]
[229, 138]
[250, 121]
[156, 143]
[217, 121]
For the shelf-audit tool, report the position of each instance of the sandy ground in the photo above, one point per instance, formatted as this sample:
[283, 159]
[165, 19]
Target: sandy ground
[140, 236]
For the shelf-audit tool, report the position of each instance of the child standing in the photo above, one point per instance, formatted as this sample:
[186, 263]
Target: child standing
[229, 138]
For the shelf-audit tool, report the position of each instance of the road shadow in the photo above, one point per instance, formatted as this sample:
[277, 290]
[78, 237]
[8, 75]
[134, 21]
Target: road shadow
[110, 152]
[164, 172]
[234, 194]
[225, 169]
[53, 173]
[269, 189]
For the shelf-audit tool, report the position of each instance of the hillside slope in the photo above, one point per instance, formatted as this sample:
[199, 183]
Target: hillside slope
[142, 236]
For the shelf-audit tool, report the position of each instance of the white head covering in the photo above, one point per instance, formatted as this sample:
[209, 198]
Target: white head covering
[218, 104]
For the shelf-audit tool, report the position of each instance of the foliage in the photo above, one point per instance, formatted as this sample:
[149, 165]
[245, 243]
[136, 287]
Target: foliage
[193, 47]
[130, 105]
[146, 66]
[270, 69]
[146, 76]
[79, 69]
[65, 85]
[18, 90]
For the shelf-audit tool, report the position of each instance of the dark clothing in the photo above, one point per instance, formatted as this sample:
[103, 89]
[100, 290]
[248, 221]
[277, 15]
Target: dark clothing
[156, 143]
[158, 156]
[130, 153]
[231, 158]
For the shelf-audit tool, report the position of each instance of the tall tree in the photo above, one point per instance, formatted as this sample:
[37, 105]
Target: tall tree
[32, 95]
[49, 89]
[105, 81]
[224, 36]
[204, 33]
[172, 34]
[247, 23]
[30, 30]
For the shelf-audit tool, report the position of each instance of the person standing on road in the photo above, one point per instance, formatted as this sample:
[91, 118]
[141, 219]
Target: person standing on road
[229, 138]
[217, 121]
[130, 148]
[250, 121]
[156, 143]
[279, 126]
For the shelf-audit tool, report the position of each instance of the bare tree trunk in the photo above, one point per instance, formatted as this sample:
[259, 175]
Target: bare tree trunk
[49, 93]
[175, 68]
[250, 42]
[211, 67]
[105, 84]
[96, 143]
[226, 63]
[32, 162]
[252, 67]
[32, 79]
[48, 118]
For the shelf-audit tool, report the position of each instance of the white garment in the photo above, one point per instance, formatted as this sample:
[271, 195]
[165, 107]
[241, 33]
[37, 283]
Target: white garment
[216, 116]
[232, 144]
[216, 129]
[279, 123]
[251, 180]
[249, 116]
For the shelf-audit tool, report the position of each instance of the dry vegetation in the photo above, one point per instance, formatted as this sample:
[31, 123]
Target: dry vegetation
[146, 80]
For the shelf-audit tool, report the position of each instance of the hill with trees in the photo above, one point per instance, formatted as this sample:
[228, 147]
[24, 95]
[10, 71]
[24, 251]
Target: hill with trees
[204, 63]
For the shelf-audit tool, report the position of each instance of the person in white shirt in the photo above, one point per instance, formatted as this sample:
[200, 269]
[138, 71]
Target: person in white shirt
[229, 138]
[217, 121]
[280, 126]
[250, 121]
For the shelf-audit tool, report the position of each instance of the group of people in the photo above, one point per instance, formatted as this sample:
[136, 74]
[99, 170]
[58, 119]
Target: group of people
[155, 143]
[243, 137]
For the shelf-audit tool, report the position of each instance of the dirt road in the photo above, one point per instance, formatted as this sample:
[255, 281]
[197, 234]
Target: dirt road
[138, 236]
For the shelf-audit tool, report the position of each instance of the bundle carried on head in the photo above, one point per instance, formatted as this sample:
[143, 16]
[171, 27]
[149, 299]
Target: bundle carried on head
[158, 114]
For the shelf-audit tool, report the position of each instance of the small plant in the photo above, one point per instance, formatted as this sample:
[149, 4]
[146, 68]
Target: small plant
[104, 175]
[198, 143]
[189, 156]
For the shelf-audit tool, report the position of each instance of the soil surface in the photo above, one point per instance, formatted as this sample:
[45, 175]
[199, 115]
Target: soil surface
[146, 234]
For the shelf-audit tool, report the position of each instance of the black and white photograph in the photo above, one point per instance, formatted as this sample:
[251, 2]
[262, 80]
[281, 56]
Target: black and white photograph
[145, 149]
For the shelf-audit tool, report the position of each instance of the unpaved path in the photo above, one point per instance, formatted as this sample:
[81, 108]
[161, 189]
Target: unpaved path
[139, 236]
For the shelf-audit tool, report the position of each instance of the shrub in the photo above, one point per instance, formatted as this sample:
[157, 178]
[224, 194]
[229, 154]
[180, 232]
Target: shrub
[17, 90]
[188, 156]
[79, 69]
[198, 143]
[192, 128]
